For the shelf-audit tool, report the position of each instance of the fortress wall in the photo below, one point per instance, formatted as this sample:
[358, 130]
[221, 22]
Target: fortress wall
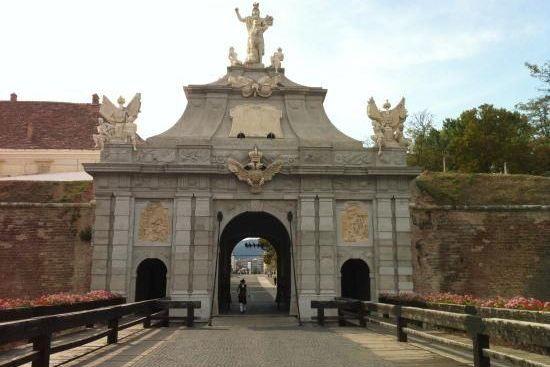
[498, 247]
[41, 250]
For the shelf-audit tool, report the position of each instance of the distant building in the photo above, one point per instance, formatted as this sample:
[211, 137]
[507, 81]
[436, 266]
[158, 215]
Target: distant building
[46, 137]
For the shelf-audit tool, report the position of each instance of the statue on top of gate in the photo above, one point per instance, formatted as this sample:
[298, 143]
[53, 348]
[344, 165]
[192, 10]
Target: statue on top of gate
[388, 124]
[255, 26]
[116, 124]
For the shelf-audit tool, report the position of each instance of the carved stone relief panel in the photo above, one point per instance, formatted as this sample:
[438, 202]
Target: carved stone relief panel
[353, 223]
[255, 120]
[287, 159]
[194, 155]
[351, 158]
[316, 156]
[220, 156]
[153, 222]
[152, 155]
[112, 153]
[354, 183]
[392, 157]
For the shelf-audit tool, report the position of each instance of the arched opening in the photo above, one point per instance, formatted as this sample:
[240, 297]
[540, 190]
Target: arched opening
[151, 280]
[258, 225]
[355, 280]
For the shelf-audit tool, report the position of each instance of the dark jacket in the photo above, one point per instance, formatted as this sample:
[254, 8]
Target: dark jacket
[241, 291]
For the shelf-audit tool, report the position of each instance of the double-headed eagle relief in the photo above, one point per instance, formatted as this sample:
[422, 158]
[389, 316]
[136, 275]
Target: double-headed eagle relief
[388, 124]
[255, 173]
[116, 124]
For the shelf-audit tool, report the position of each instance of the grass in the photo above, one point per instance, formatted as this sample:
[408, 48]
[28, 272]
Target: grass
[484, 189]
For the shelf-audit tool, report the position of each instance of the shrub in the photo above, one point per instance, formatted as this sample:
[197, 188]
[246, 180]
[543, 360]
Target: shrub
[86, 234]
[56, 299]
[516, 303]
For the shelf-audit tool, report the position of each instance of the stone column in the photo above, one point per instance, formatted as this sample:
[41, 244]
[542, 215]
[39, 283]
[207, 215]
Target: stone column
[101, 257]
[385, 245]
[181, 248]
[306, 252]
[202, 253]
[403, 234]
[119, 249]
[327, 247]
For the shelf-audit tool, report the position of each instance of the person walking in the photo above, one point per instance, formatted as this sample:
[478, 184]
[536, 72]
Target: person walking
[241, 292]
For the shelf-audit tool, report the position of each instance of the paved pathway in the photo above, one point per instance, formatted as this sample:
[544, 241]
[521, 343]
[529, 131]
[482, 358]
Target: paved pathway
[260, 341]
[261, 294]
[254, 340]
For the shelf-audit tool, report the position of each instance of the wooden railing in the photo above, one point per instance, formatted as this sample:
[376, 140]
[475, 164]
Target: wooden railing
[480, 330]
[21, 313]
[39, 330]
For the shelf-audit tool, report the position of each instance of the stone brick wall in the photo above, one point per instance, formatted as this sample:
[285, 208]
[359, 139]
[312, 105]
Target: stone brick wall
[485, 250]
[41, 250]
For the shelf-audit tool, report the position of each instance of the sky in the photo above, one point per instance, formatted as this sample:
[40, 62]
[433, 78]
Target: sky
[444, 56]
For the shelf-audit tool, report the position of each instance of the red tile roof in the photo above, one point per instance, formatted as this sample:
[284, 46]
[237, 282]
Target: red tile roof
[47, 125]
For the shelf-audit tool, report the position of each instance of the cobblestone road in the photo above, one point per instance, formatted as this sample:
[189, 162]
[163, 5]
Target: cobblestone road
[260, 340]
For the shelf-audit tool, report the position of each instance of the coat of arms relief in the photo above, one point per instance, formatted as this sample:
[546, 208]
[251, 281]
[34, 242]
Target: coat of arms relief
[154, 223]
[355, 223]
[255, 173]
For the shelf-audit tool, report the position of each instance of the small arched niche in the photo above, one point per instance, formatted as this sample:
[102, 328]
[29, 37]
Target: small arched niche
[355, 280]
[151, 280]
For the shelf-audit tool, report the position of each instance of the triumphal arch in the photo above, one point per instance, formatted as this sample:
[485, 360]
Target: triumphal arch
[254, 154]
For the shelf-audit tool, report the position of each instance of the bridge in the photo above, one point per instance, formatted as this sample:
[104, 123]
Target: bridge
[360, 334]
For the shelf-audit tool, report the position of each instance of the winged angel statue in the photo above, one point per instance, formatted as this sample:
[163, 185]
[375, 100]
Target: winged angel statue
[116, 124]
[388, 124]
[255, 173]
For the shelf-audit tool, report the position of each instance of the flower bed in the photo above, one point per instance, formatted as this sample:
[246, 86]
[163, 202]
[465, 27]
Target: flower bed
[17, 308]
[56, 299]
[424, 300]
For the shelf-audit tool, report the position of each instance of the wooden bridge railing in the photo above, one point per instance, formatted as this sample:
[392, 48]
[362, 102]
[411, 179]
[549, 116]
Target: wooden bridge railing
[39, 330]
[480, 330]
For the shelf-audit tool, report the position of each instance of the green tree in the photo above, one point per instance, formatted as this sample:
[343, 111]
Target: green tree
[483, 139]
[420, 124]
[270, 255]
[538, 109]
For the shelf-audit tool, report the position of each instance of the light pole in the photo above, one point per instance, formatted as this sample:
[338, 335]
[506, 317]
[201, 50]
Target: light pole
[219, 217]
[289, 217]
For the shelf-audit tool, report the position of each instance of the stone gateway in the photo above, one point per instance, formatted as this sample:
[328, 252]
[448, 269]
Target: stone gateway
[327, 199]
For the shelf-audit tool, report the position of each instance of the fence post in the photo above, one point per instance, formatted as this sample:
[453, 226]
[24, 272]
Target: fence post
[401, 322]
[341, 318]
[480, 341]
[166, 317]
[42, 344]
[361, 314]
[147, 322]
[190, 314]
[321, 316]
[112, 338]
